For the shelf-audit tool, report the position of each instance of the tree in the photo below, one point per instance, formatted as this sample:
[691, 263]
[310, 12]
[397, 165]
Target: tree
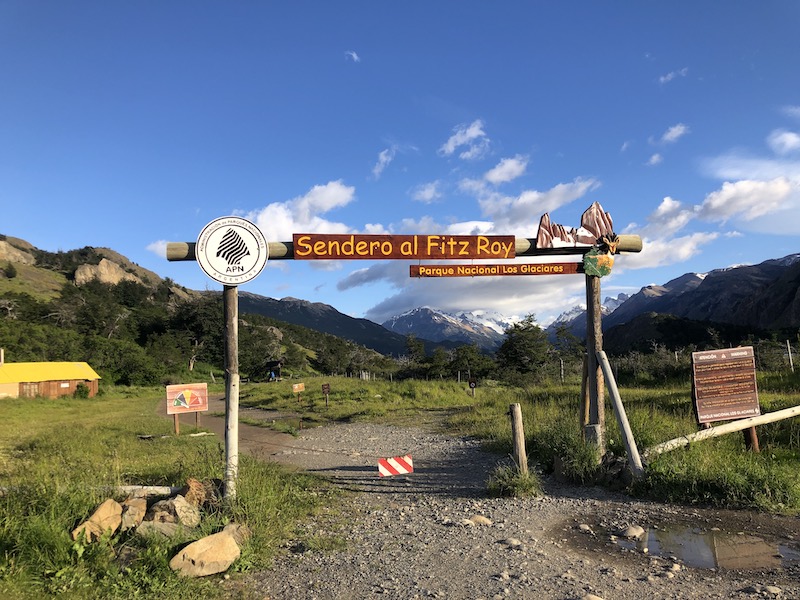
[438, 363]
[525, 348]
[471, 362]
[10, 271]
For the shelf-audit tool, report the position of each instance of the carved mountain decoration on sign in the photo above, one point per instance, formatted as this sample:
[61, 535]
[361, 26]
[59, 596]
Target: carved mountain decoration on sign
[595, 224]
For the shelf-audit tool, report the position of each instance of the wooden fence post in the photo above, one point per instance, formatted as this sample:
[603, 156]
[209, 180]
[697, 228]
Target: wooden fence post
[518, 434]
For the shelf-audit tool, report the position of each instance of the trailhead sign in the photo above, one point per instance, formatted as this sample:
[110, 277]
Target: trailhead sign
[724, 384]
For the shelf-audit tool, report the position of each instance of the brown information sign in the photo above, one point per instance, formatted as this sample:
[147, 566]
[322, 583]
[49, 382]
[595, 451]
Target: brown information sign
[724, 383]
[317, 246]
[487, 270]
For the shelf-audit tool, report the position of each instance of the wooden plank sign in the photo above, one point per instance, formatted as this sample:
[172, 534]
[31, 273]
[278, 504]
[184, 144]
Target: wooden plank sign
[724, 384]
[397, 465]
[298, 387]
[187, 398]
[493, 270]
[318, 246]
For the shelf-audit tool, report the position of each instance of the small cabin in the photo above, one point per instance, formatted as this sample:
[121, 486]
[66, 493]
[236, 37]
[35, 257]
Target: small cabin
[45, 379]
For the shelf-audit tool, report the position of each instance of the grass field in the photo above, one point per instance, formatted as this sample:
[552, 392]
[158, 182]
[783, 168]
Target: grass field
[59, 458]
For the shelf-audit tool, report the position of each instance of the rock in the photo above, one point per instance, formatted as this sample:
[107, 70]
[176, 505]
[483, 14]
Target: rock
[107, 516]
[133, 512]
[207, 556]
[584, 528]
[194, 492]
[106, 272]
[590, 597]
[512, 543]
[175, 510]
[633, 532]
[15, 255]
[168, 530]
[480, 520]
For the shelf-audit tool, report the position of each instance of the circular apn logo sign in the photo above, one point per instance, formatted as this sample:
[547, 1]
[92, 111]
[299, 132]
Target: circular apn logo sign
[231, 250]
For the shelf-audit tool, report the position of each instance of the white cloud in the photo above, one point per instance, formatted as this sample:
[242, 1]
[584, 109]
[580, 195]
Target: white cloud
[654, 160]
[791, 111]
[385, 157]
[674, 133]
[746, 199]
[669, 218]
[158, 248]
[427, 192]
[672, 75]
[279, 220]
[521, 214]
[782, 141]
[352, 55]
[472, 136]
[507, 170]
[625, 146]
[659, 252]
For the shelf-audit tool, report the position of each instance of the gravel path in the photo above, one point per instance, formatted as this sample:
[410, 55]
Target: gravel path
[435, 534]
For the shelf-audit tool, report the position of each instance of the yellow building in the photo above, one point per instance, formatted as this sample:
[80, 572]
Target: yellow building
[45, 379]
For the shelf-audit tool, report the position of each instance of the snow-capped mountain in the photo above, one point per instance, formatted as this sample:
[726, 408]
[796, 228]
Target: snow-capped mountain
[484, 330]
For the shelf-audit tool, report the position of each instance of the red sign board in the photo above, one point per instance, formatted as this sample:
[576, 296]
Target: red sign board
[724, 384]
[187, 398]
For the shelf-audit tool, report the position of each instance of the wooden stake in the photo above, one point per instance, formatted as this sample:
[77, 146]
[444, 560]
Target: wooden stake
[518, 433]
[230, 298]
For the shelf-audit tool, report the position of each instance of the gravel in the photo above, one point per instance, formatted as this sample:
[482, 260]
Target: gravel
[434, 533]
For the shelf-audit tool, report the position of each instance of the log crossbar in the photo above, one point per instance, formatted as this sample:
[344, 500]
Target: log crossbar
[180, 251]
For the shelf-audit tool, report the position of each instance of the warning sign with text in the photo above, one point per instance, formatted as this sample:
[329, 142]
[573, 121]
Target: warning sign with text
[724, 384]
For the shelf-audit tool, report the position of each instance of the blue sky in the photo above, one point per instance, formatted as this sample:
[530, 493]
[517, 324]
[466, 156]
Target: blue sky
[130, 124]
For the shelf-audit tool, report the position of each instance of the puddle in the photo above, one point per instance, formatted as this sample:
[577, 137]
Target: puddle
[710, 549]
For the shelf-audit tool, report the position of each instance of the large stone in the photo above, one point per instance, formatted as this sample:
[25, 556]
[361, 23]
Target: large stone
[107, 516]
[175, 510]
[207, 556]
[133, 512]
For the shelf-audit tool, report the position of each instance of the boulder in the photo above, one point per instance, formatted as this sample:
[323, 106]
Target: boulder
[107, 516]
[133, 512]
[207, 556]
[175, 510]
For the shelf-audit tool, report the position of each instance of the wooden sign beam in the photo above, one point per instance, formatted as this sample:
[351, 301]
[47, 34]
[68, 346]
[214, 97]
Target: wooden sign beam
[181, 251]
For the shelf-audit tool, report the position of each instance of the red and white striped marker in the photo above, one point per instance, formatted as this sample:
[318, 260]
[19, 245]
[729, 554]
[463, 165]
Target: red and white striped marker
[398, 465]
